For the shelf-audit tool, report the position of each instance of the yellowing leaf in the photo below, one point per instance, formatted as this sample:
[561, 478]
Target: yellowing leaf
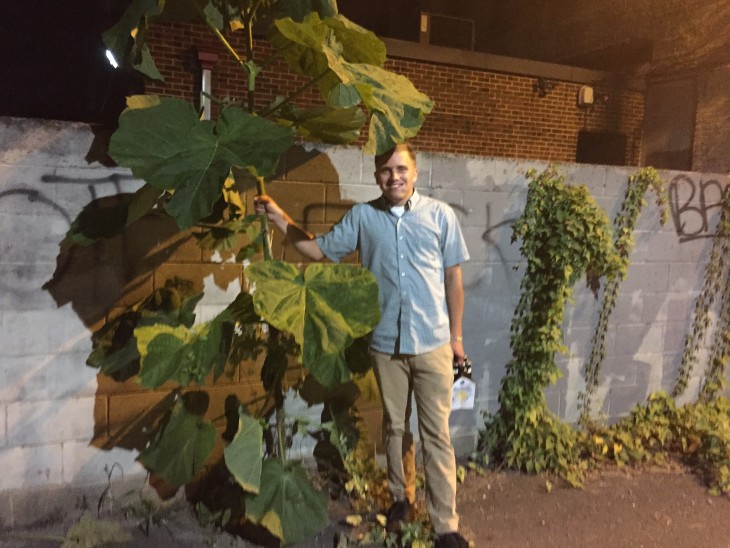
[461, 474]
[354, 520]
[381, 519]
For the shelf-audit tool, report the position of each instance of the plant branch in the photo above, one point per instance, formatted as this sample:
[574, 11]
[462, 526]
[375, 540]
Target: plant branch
[219, 35]
[269, 111]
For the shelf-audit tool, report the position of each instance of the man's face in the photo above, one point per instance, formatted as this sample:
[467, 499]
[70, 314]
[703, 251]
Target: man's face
[396, 177]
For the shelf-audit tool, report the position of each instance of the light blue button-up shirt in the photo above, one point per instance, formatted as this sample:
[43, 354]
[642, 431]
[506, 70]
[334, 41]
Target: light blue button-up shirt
[408, 256]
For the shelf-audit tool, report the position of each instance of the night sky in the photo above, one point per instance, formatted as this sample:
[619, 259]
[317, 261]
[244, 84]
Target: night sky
[52, 61]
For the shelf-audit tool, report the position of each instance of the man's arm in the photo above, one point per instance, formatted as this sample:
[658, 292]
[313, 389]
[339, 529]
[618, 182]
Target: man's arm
[302, 240]
[455, 304]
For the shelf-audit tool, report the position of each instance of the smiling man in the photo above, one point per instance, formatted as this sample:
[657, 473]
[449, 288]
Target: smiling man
[414, 246]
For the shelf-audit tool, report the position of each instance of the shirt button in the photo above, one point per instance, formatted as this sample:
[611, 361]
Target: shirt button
[401, 255]
[402, 273]
[400, 237]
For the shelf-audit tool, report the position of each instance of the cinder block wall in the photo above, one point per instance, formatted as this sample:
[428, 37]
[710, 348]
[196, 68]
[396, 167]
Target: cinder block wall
[61, 423]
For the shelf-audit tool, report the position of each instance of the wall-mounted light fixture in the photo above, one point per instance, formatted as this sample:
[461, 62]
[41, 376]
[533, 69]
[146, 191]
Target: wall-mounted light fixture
[543, 86]
[585, 96]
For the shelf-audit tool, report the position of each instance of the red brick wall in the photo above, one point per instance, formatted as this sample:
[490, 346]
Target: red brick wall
[477, 112]
[712, 125]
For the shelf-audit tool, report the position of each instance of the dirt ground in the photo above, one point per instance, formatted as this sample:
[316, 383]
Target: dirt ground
[656, 508]
[648, 508]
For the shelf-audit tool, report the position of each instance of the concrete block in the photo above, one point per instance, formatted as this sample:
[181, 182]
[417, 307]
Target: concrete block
[510, 175]
[675, 335]
[45, 377]
[686, 277]
[304, 201]
[647, 278]
[54, 421]
[650, 372]
[570, 409]
[617, 178]
[461, 172]
[75, 188]
[340, 198]
[35, 238]
[21, 286]
[628, 309]
[84, 464]
[583, 311]
[25, 467]
[591, 176]
[43, 332]
[43, 142]
[553, 403]
[639, 339]
[464, 443]
[649, 219]
[307, 164]
[348, 164]
[622, 399]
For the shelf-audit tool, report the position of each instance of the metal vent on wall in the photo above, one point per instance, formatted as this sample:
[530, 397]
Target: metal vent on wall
[446, 30]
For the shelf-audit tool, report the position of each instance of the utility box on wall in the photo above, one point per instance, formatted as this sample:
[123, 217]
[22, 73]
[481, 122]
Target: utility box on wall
[601, 147]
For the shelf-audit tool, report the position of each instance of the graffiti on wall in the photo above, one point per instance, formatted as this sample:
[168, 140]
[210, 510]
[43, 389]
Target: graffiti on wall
[692, 205]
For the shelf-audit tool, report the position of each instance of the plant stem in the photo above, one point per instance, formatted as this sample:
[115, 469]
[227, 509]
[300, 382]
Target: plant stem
[219, 35]
[269, 111]
[265, 230]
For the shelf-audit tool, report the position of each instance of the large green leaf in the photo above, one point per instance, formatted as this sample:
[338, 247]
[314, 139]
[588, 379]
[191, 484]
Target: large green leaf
[163, 141]
[243, 454]
[325, 308]
[180, 354]
[181, 448]
[114, 349]
[287, 504]
[299, 9]
[303, 46]
[329, 124]
[397, 108]
[347, 63]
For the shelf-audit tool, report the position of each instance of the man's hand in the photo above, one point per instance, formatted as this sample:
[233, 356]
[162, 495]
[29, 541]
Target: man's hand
[457, 347]
[302, 240]
[265, 205]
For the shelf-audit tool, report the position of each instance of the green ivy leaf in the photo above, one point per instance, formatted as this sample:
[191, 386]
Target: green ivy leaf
[325, 308]
[163, 142]
[243, 454]
[181, 448]
[287, 504]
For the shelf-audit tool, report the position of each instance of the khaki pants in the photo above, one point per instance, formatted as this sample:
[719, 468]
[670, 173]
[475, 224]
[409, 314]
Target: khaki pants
[430, 378]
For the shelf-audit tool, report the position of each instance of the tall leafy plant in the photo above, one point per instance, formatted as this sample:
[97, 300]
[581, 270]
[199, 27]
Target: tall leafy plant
[563, 234]
[189, 168]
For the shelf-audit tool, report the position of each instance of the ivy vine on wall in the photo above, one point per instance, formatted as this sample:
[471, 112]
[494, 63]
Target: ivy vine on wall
[717, 282]
[624, 225]
[564, 234]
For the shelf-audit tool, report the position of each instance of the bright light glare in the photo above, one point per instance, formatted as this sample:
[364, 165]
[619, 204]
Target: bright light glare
[110, 57]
